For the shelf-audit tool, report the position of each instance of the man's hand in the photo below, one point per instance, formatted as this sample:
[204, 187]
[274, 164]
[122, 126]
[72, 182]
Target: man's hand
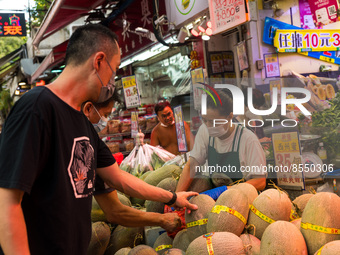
[182, 200]
[170, 221]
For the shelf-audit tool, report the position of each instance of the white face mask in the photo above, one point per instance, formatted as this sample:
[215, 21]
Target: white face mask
[217, 131]
[101, 123]
[163, 125]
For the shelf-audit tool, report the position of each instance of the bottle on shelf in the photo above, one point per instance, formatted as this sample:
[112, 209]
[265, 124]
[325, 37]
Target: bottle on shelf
[322, 153]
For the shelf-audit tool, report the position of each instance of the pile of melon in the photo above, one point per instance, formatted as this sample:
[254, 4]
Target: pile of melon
[240, 221]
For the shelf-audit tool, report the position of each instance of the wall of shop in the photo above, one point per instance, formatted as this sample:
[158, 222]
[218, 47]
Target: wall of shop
[290, 61]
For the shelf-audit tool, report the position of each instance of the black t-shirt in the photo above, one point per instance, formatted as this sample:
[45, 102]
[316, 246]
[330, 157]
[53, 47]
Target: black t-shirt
[50, 151]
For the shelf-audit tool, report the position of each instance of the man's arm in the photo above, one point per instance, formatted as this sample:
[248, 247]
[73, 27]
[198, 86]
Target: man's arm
[133, 186]
[118, 213]
[13, 234]
[154, 141]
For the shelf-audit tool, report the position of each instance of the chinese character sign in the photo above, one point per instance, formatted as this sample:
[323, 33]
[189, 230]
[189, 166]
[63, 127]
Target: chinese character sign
[12, 24]
[288, 159]
[272, 65]
[134, 124]
[197, 77]
[225, 14]
[180, 130]
[324, 11]
[287, 40]
[131, 94]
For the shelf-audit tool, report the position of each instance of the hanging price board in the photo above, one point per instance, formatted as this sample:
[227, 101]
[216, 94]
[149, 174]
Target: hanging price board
[180, 130]
[131, 94]
[287, 40]
[134, 124]
[197, 77]
[227, 14]
[288, 167]
[272, 65]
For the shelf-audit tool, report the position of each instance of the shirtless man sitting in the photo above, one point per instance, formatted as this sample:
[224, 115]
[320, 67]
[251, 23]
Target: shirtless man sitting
[164, 134]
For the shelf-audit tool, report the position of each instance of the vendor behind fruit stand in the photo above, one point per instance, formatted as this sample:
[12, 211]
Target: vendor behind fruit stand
[107, 197]
[229, 149]
[164, 134]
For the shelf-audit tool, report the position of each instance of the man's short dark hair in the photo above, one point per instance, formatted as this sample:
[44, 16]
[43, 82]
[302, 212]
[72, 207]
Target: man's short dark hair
[160, 106]
[89, 39]
[227, 103]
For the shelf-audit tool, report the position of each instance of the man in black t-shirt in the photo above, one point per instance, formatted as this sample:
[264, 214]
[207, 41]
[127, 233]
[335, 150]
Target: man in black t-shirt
[50, 151]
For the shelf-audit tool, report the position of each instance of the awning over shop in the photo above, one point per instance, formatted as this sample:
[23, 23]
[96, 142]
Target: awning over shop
[56, 56]
[62, 13]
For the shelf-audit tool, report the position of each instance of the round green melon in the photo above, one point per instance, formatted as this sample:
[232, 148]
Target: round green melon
[225, 221]
[282, 238]
[300, 203]
[181, 240]
[123, 251]
[222, 243]
[142, 250]
[205, 203]
[331, 248]
[272, 203]
[99, 239]
[174, 251]
[123, 199]
[163, 243]
[200, 183]
[251, 243]
[167, 184]
[323, 209]
[160, 174]
[296, 223]
[248, 189]
[123, 237]
[97, 213]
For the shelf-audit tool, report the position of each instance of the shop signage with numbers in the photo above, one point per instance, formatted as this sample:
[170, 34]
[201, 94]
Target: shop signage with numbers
[272, 65]
[131, 93]
[288, 159]
[287, 40]
[197, 77]
[180, 129]
[227, 14]
[134, 123]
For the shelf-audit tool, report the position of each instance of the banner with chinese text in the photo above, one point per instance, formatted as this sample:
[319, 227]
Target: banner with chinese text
[288, 40]
[227, 14]
[180, 129]
[197, 77]
[12, 24]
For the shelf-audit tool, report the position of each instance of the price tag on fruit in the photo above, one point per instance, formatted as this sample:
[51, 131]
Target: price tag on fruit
[288, 167]
[131, 93]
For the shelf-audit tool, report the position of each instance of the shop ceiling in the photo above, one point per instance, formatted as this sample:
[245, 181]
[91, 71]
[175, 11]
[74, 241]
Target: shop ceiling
[63, 12]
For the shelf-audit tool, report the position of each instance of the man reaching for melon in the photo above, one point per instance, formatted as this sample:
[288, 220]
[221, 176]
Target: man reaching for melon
[107, 198]
[231, 151]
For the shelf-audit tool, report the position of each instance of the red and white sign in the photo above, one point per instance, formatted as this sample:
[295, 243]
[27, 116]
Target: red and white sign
[272, 65]
[324, 11]
[226, 14]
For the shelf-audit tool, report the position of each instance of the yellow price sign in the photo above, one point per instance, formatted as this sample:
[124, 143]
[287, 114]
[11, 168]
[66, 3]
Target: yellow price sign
[288, 40]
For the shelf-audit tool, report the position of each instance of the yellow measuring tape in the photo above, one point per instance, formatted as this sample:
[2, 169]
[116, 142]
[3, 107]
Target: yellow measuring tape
[293, 215]
[261, 215]
[197, 223]
[162, 247]
[321, 229]
[221, 208]
[209, 242]
[319, 251]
